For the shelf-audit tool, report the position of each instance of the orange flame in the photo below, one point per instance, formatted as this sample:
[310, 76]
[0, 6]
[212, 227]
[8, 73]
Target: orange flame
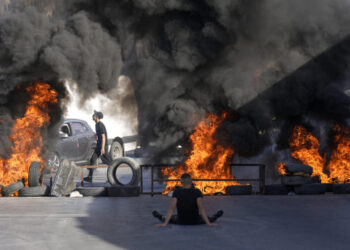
[305, 147]
[339, 165]
[281, 169]
[207, 160]
[26, 134]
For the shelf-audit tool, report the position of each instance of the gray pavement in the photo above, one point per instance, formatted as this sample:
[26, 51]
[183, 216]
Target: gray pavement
[249, 222]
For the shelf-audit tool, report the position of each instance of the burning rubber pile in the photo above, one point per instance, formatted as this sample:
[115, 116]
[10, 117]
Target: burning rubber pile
[207, 159]
[26, 136]
[333, 173]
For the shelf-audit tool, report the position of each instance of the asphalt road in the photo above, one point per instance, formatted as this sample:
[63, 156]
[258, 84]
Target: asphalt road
[250, 222]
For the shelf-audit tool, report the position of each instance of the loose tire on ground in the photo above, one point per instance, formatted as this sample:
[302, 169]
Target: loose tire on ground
[34, 191]
[314, 188]
[11, 189]
[295, 168]
[295, 180]
[329, 187]
[123, 191]
[276, 189]
[239, 190]
[111, 172]
[116, 150]
[341, 188]
[34, 174]
[92, 191]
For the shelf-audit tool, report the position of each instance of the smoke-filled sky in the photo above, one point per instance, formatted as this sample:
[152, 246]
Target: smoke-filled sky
[184, 57]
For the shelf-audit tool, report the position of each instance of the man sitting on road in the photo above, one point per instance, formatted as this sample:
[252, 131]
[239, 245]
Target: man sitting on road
[189, 202]
[101, 149]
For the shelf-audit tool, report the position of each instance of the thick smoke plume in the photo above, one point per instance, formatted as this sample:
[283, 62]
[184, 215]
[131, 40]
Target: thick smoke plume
[184, 57]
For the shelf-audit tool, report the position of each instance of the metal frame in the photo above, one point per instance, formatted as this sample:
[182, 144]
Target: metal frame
[261, 179]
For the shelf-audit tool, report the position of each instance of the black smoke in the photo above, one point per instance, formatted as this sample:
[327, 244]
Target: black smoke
[184, 57]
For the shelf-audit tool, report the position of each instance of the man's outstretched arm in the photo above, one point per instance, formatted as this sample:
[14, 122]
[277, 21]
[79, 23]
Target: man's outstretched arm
[170, 213]
[203, 212]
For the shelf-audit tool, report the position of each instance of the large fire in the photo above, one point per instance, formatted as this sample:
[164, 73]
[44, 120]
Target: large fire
[26, 134]
[207, 160]
[305, 147]
[339, 164]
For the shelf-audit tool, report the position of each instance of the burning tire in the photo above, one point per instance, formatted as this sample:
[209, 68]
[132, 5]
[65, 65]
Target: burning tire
[92, 191]
[34, 191]
[298, 168]
[341, 188]
[34, 174]
[123, 191]
[276, 189]
[124, 162]
[295, 180]
[116, 150]
[314, 188]
[239, 190]
[11, 189]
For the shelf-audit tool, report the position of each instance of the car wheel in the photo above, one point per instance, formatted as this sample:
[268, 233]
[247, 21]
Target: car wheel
[123, 191]
[239, 190]
[34, 174]
[34, 191]
[116, 150]
[341, 188]
[11, 189]
[276, 189]
[92, 191]
[127, 164]
[315, 188]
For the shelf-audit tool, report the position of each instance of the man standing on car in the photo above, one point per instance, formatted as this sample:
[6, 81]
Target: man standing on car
[101, 149]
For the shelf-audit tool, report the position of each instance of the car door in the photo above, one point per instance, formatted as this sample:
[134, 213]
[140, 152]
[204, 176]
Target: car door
[67, 144]
[80, 132]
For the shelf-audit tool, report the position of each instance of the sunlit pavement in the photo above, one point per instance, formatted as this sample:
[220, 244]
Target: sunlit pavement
[249, 222]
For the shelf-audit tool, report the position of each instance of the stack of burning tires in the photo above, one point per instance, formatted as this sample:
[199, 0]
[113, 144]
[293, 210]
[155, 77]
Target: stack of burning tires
[297, 180]
[35, 186]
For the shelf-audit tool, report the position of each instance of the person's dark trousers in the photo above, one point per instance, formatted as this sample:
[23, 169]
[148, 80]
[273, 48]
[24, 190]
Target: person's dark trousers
[175, 219]
[93, 161]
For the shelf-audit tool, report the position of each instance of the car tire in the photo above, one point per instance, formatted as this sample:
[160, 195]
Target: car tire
[314, 188]
[295, 180]
[34, 191]
[11, 189]
[112, 168]
[92, 191]
[116, 150]
[297, 168]
[34, 174]
[239, 190]
[276, 189]
[341, 188]
[123, 191]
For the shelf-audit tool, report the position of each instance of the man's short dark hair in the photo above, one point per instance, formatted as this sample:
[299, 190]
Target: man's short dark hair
[186, 177]
[98, 114]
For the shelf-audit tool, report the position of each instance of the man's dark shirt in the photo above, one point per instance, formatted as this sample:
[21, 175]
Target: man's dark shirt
[187, 208]
[101, 129]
